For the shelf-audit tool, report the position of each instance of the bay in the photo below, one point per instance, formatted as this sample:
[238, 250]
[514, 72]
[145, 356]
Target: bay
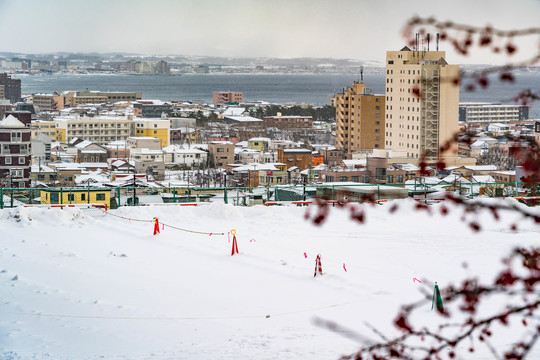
[316, 89]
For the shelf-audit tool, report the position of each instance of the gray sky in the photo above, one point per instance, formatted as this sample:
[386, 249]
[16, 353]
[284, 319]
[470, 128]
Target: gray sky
[356, 29]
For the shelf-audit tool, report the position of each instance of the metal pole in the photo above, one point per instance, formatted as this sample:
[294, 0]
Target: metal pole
[225, 191]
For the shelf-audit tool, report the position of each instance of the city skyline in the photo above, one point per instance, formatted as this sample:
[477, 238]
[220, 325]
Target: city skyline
[345, 29]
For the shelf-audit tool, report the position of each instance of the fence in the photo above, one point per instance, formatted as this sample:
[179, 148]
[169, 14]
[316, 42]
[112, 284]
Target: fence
[243, 196]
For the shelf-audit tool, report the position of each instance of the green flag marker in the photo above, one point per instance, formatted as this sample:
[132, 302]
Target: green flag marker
[437, 299]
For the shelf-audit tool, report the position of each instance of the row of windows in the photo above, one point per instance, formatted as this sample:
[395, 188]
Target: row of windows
[21, 161]
[22, 149]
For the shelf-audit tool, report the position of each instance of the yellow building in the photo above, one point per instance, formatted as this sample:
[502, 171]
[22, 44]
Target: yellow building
[156, 128]
[359, 119]
[422, 103]
[260, 144]
[99, 129]
[75, 196]
[272, 174]
[44, 127]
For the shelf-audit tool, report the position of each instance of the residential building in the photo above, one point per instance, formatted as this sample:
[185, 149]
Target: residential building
[295, 157]
[12, 88]
[151, 162]
[99, 129]
[151, 108]
[288, 121]
[5, 105]
[360, 122]
[157, 128]
[376, 171]
[2, 92]
[44, 127]
[184, 135]
[332, 156]
[48, 102]
[15, 153]
[189, 158]
[483, 114]
[221, 153]
[422, 103]
[43, 174]
[227, 97]
[41, 148]
[151, 143]
[76, 98]
[272, 174]
[260, 144]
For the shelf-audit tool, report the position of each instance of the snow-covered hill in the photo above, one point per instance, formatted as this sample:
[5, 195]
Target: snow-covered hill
[74, 286]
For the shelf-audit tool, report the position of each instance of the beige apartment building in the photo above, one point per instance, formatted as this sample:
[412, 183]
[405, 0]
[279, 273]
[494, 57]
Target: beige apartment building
[48, 102]
[422, 103]
[75, 98]
[100, 129]
[360, 122]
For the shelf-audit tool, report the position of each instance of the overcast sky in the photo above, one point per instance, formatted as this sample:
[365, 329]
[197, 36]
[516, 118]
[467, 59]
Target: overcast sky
[356, 29]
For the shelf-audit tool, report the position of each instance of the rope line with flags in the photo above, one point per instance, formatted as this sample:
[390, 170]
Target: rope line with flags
[154, 220]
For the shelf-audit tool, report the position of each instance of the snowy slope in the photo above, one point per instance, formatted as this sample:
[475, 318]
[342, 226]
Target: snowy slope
[73, 286]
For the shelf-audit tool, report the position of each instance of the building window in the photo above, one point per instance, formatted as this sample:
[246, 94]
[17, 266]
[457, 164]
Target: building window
[399, 179]
[354, 178]
[83, 197]
[342, 179]
[21, 160]
[100, 197]
[16, 136]
[8, 161]
[365, 179]
[390, 179]
[329, 178]
[380, 173]
[71, 197]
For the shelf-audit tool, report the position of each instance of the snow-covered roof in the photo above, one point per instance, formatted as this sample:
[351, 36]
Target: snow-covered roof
[11, 121]
[243, 119]
[234, 111]
[354, 162]
[36, 168]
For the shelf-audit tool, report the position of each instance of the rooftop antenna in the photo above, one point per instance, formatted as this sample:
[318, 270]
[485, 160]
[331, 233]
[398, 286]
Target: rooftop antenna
[428, 42]
[361, 74]
[437, 41]
[416, 42]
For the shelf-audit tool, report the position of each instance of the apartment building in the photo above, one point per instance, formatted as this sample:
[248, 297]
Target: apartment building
[227, 97]
[422, 103]
[12, 88]
[221, 153]
[15, 153]
[295, 157]
[44, 127]
[151, 108]
[100, 129]
[155, 128]
[359, 119]
[288, 121]
[76, 98]
[483, 114]
[48, 102]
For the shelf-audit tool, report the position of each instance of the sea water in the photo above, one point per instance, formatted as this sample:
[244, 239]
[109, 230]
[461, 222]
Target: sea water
[316, 89]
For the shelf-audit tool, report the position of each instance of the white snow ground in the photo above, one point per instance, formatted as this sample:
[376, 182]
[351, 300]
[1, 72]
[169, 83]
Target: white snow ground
[73, 286]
